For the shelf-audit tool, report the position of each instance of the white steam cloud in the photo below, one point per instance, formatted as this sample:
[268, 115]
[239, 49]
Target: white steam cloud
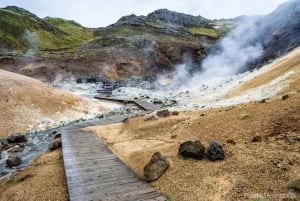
[230, 57]
[33, 42]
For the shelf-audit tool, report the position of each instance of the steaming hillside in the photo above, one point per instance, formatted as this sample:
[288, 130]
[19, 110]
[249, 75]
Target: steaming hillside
[134, 45]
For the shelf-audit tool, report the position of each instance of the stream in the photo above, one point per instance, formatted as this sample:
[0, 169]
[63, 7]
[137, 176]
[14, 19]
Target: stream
[36, 145]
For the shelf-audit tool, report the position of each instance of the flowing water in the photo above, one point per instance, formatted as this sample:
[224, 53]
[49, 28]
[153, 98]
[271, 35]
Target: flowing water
[37, 144]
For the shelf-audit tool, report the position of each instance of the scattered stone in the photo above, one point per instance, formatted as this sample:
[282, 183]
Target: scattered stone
[263, 100]
[215, 151]
[58, 135]
[173, 136]
[15, 149]
[244, 116]
[192, 149]
[258, 138]
[230, 141]
[125, 120]
[175, 113]
[157, 101]
[202, 115]
[151, 117]
[16, 138]
[284, 97]
[54, 132]
[25, 177]
[156, 167]
[281, 136]
[54, 144]
[163, 113]
[13, 160]
[294, 184]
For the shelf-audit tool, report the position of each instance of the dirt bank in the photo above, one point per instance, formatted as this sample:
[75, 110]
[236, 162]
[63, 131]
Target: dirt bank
[249, 168]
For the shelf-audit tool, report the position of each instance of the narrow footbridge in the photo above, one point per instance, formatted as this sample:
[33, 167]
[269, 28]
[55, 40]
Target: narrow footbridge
[142, 104]
[94, 173]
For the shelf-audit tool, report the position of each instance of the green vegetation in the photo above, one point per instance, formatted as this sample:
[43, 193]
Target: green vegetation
[204, 31]
[21, 30]
[167, 196]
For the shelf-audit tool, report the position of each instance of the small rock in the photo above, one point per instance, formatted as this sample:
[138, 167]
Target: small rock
[281, 136]
[151, 117]
[284, 97]
[244, 116]
[163, 113]
[215, 151]
[230, 141]
[13, 161]
[258, 138]
[156, 167]
[295, 183]
[16, 138]
[263, 100]
[175, 113]
[58, 135]
[157, 101]
[15, 149]
[54, 144]
[192, 149]
[54, 132]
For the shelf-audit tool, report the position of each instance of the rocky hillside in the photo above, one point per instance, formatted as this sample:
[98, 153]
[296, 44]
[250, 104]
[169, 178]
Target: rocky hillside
[134, 45]
[281, 30]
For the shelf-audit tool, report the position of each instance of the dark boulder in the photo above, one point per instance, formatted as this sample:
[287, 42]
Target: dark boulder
[13, 161]
[58, 135]
[215, 151]
[16, 138]
[175, 113]
[156, 167]
[54, 144]
[284, 97]
[163, 113]
[192, 149]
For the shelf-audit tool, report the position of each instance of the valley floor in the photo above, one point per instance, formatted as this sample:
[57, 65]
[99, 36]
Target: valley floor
[260, 139]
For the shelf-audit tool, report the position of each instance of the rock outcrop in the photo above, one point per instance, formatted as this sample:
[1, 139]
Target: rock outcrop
[215, 151]
[54, 144]
[16, 138]
[13, 160]
[192, 149]
[156, 167]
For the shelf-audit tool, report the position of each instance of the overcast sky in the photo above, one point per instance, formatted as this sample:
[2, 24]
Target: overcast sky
[100, 13]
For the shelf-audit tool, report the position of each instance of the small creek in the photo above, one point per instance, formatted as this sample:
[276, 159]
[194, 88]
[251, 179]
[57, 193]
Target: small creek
[37, 144]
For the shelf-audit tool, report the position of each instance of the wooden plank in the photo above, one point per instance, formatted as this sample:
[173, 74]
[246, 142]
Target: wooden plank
[93, 172]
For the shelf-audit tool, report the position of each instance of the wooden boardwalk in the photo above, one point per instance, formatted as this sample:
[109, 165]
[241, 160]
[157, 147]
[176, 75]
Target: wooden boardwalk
[142, 104]
[94, 173]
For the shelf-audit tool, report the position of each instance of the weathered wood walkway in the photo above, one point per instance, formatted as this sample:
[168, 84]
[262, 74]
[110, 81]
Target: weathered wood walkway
[143, 104]
[94, 173]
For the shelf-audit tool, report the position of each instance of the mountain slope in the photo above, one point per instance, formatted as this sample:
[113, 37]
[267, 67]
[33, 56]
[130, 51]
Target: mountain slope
[22, 30]
[133, 46]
